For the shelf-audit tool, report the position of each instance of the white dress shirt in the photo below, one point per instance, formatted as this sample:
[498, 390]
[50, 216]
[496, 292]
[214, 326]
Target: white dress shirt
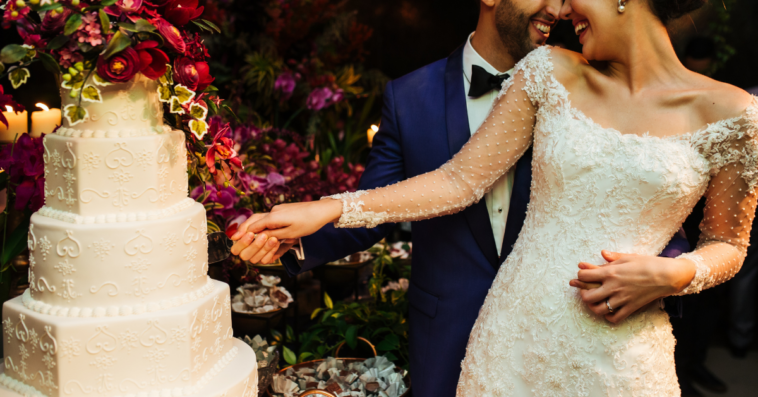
[499, 198]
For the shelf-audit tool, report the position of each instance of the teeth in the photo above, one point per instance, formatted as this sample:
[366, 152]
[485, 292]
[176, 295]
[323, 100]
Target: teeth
[580, 26]
[542, 28]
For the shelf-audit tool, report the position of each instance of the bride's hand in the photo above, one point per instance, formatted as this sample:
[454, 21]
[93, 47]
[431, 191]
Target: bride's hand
[630, 282]
[292, 221]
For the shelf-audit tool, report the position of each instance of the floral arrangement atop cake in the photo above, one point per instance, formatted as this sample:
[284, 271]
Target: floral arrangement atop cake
[92, 44]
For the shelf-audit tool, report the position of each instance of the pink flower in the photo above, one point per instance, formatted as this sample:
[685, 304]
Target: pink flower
[89, 32]
[286, 84]
[222, 148]
[319, 98]
[153, 62]
[225, 198]
[69, 55]
[233, 223]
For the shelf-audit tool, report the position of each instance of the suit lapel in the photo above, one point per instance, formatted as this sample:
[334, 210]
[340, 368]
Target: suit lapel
[458, 133]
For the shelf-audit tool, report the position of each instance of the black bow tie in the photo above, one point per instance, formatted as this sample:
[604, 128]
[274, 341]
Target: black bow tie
[482, 81]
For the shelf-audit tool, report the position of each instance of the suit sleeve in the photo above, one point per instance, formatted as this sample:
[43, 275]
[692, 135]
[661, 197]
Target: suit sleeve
[384, 167]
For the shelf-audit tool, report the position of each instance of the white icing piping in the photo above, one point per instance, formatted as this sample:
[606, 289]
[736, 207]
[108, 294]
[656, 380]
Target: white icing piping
[115, 311]
[20, 387]
[115, 133]
[70, 217]
[30, 391]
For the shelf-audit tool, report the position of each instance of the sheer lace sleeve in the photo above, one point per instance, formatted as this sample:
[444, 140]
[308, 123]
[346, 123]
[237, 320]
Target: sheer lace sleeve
[730, 202]
[495, 147]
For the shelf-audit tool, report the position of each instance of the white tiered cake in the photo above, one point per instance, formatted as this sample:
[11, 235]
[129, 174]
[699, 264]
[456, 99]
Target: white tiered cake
[119, 302]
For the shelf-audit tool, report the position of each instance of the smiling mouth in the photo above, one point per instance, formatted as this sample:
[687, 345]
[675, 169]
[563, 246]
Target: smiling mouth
[580, 27]
[542, 27]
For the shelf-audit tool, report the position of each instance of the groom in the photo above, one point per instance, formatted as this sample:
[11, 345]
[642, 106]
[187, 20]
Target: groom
[428, 115]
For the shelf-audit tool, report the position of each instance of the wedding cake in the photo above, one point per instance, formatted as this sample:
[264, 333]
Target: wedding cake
[119, 302]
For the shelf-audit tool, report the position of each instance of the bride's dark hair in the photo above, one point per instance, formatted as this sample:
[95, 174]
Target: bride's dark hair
[667, 10]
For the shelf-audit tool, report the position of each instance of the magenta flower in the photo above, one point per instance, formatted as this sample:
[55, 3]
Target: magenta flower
[224, 199]
[69, 55]
[26, 169]
[286, 84]
[319, 98]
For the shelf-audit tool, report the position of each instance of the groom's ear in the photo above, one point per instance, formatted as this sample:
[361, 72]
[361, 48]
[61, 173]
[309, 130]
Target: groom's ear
[488, 3]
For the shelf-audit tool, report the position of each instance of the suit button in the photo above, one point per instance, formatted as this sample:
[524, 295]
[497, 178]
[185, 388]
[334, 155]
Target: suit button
[500, 210]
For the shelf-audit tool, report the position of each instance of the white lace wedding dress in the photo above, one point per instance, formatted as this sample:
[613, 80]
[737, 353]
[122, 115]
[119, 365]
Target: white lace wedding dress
[593, 188]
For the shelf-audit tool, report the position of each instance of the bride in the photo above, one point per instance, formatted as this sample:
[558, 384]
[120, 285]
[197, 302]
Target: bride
[623, 149]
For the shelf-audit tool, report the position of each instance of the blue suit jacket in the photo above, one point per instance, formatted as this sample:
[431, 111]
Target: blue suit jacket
[455, 258]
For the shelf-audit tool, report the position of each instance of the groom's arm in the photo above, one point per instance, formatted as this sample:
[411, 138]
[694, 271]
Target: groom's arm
[384, 167]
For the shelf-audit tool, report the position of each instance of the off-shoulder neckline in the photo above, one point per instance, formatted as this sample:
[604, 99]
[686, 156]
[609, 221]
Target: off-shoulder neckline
[750, 109]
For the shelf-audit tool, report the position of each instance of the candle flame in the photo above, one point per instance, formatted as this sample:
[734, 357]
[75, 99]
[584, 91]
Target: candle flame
[371, 132]
[8, 108]
[42, 106]
[374, 127]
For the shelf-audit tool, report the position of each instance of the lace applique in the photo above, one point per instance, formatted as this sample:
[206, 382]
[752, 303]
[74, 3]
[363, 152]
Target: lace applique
[353, 215]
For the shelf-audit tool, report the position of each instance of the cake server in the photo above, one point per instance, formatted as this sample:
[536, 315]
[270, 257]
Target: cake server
[220, 248]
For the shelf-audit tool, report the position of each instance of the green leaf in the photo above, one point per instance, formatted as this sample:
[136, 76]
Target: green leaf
[198, 111]
[202, 25]
[130, 27]
[72, 24]
[314, 314]
[12, 53]
[304, 356]
[58, 42]
[390, 342]
[100, 81]
[290, 333]
[91, 93]
[228, 109]
[289, 356]
[212, 108]
[18, 76]
[198, 128]
[184, 94]
[74, 114]
[49, 63]
[2, 67]
[277, 336]
[16, 242]
[213, 227]
[164, 93]
[105, 22]
[328, 301]
[210, 88]
[107, 3]
[118, 43]
[143, 25]
[176, 106]
[49, 7]
[351, 337]
[211, 25]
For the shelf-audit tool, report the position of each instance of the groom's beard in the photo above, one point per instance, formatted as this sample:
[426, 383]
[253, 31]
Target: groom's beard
[513, 27]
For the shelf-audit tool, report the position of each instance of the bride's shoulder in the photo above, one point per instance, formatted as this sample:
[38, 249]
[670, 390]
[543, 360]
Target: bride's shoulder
[720, 101]
[565, 65]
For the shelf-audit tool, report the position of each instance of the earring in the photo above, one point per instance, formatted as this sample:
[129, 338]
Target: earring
[622, 6]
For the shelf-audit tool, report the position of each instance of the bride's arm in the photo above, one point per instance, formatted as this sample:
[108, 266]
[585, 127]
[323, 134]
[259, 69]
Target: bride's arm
[495, 147]
[728, 216]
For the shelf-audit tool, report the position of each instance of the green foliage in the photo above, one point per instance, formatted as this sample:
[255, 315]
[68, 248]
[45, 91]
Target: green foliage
[718, 30]
[381, 320]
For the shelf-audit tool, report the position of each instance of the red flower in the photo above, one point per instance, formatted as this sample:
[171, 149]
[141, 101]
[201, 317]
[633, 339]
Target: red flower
[154, 62]
[186, 73]
[222, 148]
[205, 76]
[180, 12]
[171, 34]
[26, 170]
[121, 67]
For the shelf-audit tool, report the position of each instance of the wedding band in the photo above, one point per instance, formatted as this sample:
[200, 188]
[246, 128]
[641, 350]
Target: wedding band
[608, 303]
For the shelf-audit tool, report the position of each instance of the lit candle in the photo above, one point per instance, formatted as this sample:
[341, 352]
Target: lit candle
[371, 132]
[18, 123]
[45, 121]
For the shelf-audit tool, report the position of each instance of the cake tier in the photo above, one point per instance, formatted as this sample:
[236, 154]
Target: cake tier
[131, 106]
[117, 268]
[183, 351]
[93, 179]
